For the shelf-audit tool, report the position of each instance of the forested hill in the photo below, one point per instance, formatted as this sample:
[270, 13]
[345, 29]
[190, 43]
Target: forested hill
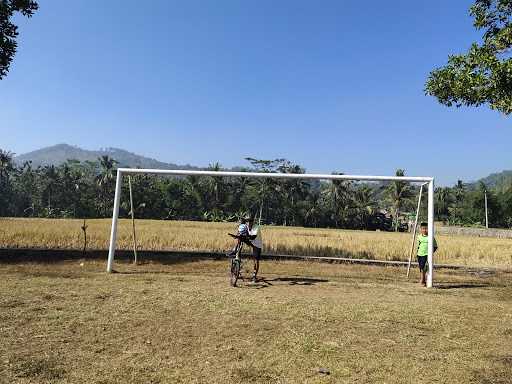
[499, 181]
[60, 153]
[86, 190]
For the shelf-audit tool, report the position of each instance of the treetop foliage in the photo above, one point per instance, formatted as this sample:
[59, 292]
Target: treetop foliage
[483, 75]
[9, 31]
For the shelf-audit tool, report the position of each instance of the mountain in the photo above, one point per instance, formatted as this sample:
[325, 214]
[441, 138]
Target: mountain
[499, 181]
[60, 153]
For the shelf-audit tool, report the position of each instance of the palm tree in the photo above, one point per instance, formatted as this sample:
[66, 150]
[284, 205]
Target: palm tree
[27, 189]
[194, 192]
[105, 179]
[6, 167]
[338, 194]
[365, 204]
[263, 190]
[215, 184]
[51, 182]
[459, 192]
[399, 193]
[443, 199]
[314, 208]
[107, 170]
[238, 197]
[5, 163]
[292, 190]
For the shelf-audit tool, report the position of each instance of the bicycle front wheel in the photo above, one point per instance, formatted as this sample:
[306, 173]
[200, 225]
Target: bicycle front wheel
[234, 272]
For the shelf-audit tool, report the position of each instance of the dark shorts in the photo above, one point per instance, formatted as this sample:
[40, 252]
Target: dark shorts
[256, 252]
[422, 262]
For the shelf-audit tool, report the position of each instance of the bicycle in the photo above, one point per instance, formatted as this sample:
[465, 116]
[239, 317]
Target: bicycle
[235, 264]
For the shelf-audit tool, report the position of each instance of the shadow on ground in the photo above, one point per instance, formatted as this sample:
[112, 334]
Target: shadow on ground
[13, 256]
[459, 285]
[263, 282]
[298, 280]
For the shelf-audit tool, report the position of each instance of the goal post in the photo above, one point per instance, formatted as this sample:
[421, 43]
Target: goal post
[305, 176]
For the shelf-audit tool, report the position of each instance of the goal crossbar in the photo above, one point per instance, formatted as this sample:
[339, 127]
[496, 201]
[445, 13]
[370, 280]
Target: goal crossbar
[306, 176]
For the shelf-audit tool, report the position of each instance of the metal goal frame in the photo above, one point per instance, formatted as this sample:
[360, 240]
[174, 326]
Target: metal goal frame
[306, 176]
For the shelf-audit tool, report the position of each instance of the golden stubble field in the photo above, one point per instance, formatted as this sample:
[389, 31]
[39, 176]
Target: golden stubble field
[200, 236]
[70, 322]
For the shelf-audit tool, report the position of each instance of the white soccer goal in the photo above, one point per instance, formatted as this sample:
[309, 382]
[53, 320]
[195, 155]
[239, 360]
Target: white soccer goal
[307, 176]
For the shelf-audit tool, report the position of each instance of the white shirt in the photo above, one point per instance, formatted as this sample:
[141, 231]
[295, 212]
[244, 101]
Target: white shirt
[257, 242]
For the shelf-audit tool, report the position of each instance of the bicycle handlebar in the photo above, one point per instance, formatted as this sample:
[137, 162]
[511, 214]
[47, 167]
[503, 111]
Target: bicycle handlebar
[250, 237]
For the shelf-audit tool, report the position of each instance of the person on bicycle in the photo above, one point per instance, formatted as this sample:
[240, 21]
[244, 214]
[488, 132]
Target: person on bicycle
[242, 234]
[251, 236]
[257, 245]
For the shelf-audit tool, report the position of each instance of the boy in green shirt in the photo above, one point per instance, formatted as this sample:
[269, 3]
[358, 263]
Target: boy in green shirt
[422, 251]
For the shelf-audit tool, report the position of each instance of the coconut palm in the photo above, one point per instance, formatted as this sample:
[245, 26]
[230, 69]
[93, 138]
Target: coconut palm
[443, 197]
[50, 177]
[107, 170]
[314, 208]
[459, 193]
[105, 181]
[460, 189]
[215, 184]
[6, 165]
[262, 191]
[6, 168]
[337, 194]
[399, 194]
[291, 191]
[193, 190]
[238, 196]
[365, 204]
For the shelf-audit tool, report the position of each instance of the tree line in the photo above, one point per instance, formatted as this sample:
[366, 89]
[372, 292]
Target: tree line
[86, 189]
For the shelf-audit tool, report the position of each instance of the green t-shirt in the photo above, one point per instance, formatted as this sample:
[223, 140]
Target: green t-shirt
[423, 245]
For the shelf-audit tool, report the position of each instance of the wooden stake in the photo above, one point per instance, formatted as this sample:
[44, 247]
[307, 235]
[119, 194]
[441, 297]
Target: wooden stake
[414, 232]
[133, 222]
[84, 229]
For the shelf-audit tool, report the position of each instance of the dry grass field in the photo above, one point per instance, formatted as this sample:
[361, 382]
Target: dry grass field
[69, 322]
[199, 236]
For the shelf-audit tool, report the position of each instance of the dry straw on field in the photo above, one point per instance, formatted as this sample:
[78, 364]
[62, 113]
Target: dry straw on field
[200, 236]
[70, 322]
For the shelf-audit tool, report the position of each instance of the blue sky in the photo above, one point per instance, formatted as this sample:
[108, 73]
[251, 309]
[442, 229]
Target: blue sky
[332, 85]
